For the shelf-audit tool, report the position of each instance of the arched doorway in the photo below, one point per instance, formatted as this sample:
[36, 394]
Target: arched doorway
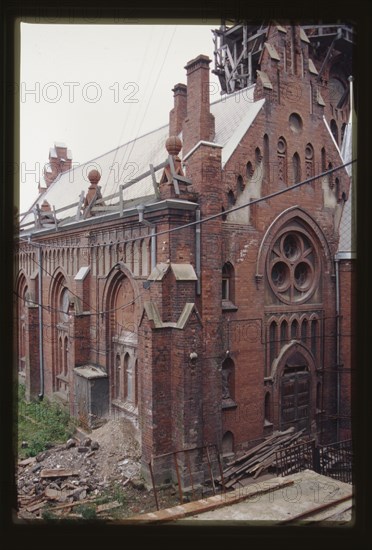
[22, 291]
[122, 343]
[60, 300]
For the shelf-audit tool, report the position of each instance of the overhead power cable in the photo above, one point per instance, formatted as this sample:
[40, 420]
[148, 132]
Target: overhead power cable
[208, 218]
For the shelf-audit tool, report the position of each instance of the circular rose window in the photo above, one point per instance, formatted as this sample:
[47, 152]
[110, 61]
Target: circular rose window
[292, 267]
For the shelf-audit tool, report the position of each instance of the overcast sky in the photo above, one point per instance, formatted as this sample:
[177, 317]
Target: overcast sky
[95, 87]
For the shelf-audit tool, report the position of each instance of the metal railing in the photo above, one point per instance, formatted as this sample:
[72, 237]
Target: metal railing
[336, 461]
[333, 460]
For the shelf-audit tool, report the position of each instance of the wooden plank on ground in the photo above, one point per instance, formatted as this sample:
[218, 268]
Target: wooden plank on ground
[58, 472]
[108, 506]
[71, 504]
[27, 461]
[36, 506]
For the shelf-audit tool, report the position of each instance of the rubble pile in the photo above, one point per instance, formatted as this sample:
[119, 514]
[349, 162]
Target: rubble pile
[80, 470]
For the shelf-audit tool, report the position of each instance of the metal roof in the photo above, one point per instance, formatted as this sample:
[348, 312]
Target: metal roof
[233, 116]
[347, 228]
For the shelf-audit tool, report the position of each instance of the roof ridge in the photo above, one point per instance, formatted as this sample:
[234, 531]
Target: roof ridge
[228, 96]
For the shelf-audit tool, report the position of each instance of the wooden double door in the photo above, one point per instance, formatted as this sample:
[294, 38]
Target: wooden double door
[295, 398]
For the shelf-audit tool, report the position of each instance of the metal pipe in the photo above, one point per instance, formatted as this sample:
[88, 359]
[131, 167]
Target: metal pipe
[220, 468]
[338, 389]
[141, 219]
[190, 473]
[197, 251]
[178, 477]
[153, 247]
[210, 470]
[41, 343]
[153, 485]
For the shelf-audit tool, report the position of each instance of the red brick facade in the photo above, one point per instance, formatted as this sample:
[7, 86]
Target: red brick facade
[192, 362]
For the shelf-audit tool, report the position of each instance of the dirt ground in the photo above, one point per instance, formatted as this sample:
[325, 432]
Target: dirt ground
[105, 468]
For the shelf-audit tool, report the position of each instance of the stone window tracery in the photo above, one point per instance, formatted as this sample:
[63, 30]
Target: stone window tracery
[292, 267]
[64, 305]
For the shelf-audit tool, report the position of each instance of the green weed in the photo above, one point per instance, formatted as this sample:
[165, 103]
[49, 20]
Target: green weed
[41, 424]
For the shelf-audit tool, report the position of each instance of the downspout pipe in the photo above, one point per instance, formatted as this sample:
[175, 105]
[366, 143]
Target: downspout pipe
[152, 226]
[197, 251]
[338, 354]
[41, 342]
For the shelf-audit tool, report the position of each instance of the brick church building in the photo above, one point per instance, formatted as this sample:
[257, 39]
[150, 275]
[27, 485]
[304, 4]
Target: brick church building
[181, 280]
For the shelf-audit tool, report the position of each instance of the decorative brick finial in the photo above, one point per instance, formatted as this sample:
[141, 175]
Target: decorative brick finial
[173, 145]
[169, 184]
[94, 176]
[93, 194]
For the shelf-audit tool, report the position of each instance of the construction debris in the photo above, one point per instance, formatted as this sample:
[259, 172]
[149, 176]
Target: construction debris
[63, 476]
[58, 472]
[258, 459]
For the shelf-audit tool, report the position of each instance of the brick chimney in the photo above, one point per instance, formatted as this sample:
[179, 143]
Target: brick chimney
[60, 160]
[199, 124]
[179, 111]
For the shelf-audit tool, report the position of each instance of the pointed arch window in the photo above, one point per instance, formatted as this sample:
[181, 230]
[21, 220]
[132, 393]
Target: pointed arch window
[226, 282]
[323, 159]
[64, 305]
[228, 286]
[273, 339]
[258, 156]
[230, 199]
[227, 443]
[240, 184]
[331, 182]
[304, 330]
[294, 330]
[249, 171]
[296, 168]
[267, 409]
[283, 333]
[61, 305]
[121, 328]
[228, 383]
[314, 337]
